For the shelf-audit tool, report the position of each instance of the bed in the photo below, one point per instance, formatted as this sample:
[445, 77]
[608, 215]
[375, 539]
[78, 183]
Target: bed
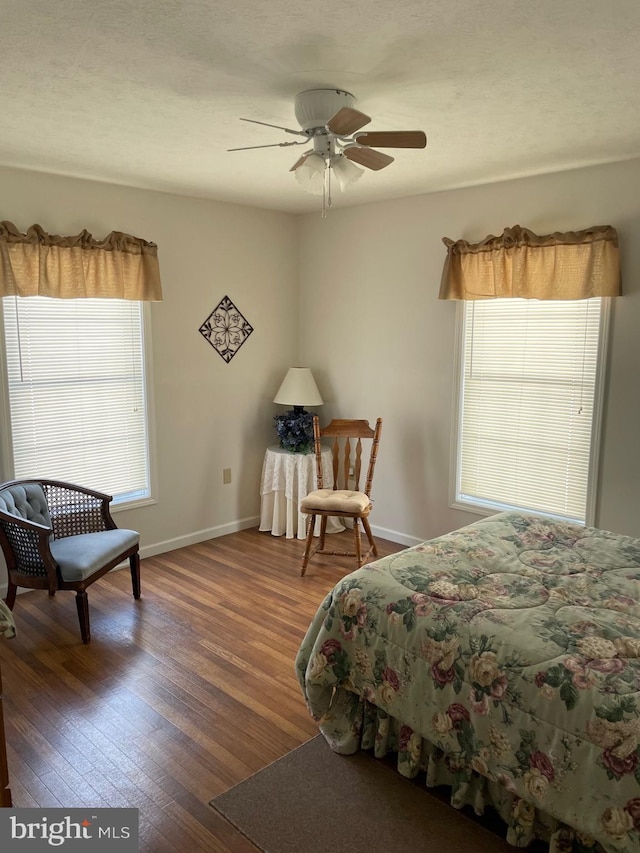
[503, 660]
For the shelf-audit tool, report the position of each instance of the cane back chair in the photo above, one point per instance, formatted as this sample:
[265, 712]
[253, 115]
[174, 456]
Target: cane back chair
[57, 535]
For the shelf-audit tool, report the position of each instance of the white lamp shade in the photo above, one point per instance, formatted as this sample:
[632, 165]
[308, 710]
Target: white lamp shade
[345, 171]
[310, 175]
[298, 389]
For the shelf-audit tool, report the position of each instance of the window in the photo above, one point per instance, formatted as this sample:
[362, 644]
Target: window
[76, 392]
[529, 405]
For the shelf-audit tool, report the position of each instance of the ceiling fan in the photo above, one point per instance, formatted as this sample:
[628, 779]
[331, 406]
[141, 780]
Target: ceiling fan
[330, 123]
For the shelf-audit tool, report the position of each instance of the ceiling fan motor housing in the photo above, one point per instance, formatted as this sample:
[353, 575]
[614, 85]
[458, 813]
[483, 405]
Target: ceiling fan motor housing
[315, 107]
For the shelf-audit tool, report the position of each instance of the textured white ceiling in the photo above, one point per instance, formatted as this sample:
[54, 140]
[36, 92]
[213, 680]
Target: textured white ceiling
[149, 93]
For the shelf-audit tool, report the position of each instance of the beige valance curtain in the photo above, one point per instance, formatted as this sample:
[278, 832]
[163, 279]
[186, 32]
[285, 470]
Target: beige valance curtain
[575, 265]
[41, 264]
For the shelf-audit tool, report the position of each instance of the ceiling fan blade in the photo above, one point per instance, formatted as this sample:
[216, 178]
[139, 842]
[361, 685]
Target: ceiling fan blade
[346, 121]
[367, 157]
[277, 126]
[300, 161]
[393, 139]
[272, 145]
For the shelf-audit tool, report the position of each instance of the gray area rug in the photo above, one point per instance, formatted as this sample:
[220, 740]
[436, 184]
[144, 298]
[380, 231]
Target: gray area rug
[313, 801]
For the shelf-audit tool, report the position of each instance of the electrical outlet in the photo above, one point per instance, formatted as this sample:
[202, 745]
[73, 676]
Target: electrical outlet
[226, 476]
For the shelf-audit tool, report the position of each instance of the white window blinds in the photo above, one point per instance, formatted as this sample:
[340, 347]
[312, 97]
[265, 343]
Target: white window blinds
[77, 392]
[526, 408]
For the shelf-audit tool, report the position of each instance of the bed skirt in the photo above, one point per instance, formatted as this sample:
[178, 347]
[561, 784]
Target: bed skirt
[373, 729]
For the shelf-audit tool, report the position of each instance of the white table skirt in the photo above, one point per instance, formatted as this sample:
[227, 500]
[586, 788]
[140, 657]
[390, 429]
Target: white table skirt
[286, 479]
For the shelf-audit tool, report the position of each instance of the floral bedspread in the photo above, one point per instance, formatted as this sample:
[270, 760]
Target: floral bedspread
[503, 659]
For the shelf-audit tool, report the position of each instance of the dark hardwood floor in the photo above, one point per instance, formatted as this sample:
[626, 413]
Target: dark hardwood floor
[178, 696]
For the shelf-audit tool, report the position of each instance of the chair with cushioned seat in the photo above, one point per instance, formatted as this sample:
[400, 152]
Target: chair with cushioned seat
[343, 497]
[57, 535]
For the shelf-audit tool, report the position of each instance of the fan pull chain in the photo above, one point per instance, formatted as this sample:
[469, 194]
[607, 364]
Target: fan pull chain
[324, 192]
[326, 189]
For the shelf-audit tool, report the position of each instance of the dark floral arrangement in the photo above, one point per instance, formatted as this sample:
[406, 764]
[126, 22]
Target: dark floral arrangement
[295, 431]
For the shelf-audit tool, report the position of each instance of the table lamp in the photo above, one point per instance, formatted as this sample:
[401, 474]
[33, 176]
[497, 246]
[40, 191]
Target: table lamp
[295, 428]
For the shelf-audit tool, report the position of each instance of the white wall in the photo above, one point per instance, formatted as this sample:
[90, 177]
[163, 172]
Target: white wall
[361, 309]
[382, 344]
[209, 415]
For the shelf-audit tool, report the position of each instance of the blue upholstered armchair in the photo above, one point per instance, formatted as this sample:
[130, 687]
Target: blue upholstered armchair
[56, 535]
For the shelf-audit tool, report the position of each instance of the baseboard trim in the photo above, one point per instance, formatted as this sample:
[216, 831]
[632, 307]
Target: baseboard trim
[394, 536]
[199, 536]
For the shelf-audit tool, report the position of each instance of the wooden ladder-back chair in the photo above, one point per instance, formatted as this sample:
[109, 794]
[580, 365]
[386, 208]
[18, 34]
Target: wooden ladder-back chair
[343, 497]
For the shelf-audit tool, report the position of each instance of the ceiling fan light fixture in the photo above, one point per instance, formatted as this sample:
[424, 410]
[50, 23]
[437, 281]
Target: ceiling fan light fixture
[345, 171]
[329, 121]
[310, 174]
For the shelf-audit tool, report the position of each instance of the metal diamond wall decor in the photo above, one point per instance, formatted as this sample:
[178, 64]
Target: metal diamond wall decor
[226, 329]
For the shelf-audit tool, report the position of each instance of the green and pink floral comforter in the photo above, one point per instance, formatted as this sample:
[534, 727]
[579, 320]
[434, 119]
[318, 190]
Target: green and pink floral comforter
[503, 659]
